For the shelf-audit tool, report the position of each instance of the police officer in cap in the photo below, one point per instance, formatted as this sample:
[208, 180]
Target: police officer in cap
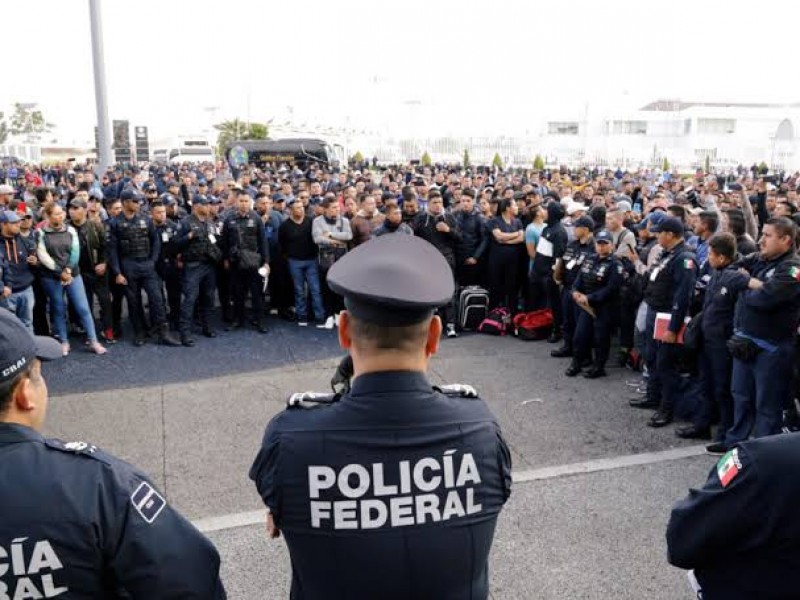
[566, 272]
[77, 522]
[670, 284]
[134, 248]
[596, 295]
[392, 490]
[167, 265]
[246, 252]
[740, 533]
[198, 244]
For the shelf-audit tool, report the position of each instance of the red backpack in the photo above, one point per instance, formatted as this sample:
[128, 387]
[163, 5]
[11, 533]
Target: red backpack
[534, 325]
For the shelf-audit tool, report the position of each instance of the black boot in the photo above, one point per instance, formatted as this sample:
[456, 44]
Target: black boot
[595, 371]
[564, 352]
[165, 336]
[574, 369]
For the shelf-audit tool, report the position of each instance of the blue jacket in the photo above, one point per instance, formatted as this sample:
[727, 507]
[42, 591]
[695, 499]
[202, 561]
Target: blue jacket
[770, 313]
[96, 524]
[14, 252]
[719, 302]
[474, 241]
[396, 470]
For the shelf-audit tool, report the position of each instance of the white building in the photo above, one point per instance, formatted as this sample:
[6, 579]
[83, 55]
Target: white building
[684, 133]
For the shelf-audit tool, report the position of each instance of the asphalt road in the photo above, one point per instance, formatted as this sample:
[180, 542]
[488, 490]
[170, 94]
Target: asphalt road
[593, 489]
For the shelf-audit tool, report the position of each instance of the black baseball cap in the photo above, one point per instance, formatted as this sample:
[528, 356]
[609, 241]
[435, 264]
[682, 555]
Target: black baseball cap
[18, 347]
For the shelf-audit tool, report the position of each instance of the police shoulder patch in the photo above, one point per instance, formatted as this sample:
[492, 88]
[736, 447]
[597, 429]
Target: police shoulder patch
[311, 399]
[147, 502]
[460, 390]
[729, 467]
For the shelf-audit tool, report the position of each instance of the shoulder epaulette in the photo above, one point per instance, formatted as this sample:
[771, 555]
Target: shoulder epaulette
[311, 399]
[458, 390]
[82, 448]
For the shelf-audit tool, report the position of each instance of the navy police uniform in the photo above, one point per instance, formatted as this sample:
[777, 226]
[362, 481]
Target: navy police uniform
[740, 532]
[767, 317]
[247, 250]
[392, 490]
[670, 285]
[719, 300]
[570, 265]
[197, 241]
[599, 279]
[167, 269]
[134, 249]
[78, 523]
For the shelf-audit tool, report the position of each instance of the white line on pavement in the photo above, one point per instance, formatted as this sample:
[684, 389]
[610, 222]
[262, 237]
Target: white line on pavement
[256, 517]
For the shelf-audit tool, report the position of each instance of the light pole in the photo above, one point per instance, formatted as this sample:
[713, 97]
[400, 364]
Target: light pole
[103, 129]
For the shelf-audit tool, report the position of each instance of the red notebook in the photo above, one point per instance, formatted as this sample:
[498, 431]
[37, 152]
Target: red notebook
[662, 326]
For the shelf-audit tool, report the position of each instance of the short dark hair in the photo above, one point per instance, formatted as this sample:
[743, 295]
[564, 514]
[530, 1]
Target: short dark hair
[736, 224]
[503, 205]
[710, 219]
[676, 210]
[156, 204]
[723, 244]
[327, 202]
[405, 338]
[7, 388]
[408, 193]
[783, 226]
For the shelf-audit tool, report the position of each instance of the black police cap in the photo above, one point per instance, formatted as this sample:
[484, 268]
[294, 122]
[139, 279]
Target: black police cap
[393, 280]
[18, 347]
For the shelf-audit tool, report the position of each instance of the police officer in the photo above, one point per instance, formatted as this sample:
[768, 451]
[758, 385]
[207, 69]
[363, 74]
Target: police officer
[670, 284]
[401, 480]
[134, 248]
[765, 322]
[197, 241]
[224, 281]
[740, 532]
[596, 294]
[167, 264]
[77, 522]
[566, 271]
[246, 252]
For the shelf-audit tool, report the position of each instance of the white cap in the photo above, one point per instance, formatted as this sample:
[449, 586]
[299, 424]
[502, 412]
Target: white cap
[6, 189]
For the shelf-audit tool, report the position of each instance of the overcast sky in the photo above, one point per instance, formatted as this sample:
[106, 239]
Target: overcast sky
[415, 66]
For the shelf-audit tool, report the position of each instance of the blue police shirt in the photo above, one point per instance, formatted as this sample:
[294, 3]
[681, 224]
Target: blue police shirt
[393, 492]
[79, 523]
[770, 313]
[740, 532]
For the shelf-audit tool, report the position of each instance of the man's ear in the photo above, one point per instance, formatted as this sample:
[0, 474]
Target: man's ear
[23, 395]
[345, 341]
[434, 336]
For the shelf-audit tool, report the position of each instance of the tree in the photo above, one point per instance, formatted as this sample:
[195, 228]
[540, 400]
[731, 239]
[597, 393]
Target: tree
[497, 161]
[236, 129]
[665, 165]
[358, 158]
[763, 169]
[26, 121]
[426, 160]
[3, 129]
[466, 159]
[538, 163]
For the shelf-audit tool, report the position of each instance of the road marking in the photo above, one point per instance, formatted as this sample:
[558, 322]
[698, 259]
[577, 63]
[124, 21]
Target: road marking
[606, 464]
[257, 517]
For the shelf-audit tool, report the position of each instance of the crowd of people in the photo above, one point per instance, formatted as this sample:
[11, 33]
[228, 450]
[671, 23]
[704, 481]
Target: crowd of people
[628, 256]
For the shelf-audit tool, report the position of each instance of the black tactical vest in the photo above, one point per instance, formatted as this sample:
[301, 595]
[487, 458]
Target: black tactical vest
[134, 237]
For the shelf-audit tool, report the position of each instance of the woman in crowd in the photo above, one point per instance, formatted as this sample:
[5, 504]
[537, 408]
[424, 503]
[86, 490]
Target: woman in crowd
[508, 238]
[58, 250]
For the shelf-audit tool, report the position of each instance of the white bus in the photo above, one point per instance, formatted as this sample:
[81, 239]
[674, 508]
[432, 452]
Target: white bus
[184, 149]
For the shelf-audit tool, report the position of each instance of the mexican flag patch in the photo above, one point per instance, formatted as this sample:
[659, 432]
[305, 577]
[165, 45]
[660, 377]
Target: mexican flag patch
[795, 273]
[728, 467]
[688, 263]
